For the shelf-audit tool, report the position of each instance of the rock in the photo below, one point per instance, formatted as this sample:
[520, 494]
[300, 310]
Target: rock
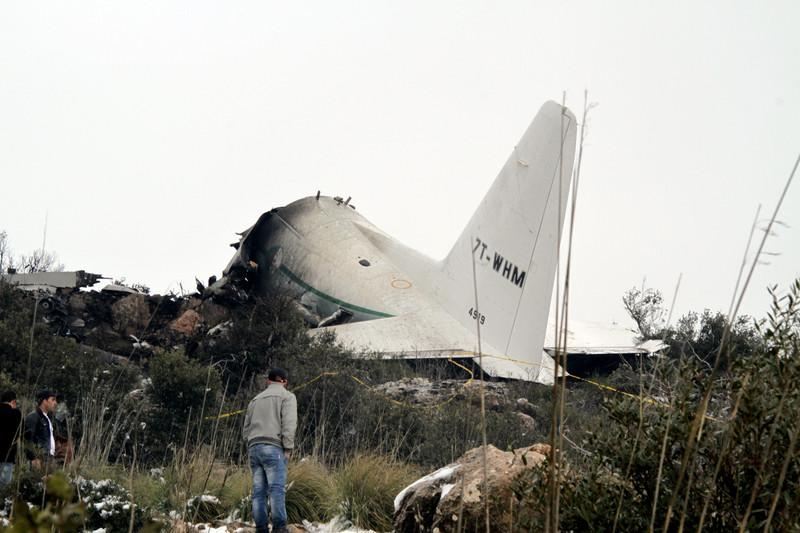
[77, 302]
[104, 337]
[436, 501]
[524, 406]
[192, 302]
[204, 508]
[527, 422]
[187, 323]
[130, 314]
[426, 392]
[213, 314]
[105, 356]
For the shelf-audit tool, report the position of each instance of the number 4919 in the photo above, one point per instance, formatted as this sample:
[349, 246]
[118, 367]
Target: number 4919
[476, 315]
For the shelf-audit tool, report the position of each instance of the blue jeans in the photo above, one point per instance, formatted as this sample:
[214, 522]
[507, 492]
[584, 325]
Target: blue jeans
[6, 473]
[269, 477]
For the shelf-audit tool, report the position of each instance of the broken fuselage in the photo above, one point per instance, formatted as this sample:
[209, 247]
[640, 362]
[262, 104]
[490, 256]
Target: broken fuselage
[352, 279]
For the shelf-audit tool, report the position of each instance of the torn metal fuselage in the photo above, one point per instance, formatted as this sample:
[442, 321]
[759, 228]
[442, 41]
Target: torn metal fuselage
[348, 280]
[52, 290]
[52, 282]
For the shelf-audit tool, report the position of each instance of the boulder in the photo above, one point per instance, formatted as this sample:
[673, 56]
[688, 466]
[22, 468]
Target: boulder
[455, 493]
[527, 422]
[213, 314]
[187, 323]
[524, 406]
[130, 314]
[494, 394]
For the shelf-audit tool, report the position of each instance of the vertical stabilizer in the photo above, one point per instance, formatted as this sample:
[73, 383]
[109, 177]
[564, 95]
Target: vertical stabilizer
[514, 238]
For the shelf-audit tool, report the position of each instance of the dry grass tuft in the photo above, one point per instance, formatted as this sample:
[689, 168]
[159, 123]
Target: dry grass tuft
[310, 494]
[366, 488]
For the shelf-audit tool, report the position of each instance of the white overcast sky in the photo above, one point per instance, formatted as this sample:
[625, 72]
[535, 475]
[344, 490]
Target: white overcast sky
[147, 133]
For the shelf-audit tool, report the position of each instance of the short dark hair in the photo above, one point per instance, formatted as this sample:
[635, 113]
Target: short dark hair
[8, 396]
[42, 395]
[276, 374]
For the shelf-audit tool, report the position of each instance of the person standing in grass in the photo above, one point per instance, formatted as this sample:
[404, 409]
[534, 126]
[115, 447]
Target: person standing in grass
[10, 426]
[39, 438]
[269, 428]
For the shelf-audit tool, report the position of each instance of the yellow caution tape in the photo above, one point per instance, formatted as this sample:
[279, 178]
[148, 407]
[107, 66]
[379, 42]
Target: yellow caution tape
[637, 397]
[362, 383]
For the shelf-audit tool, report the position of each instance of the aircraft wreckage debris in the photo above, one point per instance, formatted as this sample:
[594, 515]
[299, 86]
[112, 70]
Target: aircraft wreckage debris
[118, 321]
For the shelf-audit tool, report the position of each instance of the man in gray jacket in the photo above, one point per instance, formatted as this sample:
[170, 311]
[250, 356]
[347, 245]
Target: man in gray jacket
[269, 428]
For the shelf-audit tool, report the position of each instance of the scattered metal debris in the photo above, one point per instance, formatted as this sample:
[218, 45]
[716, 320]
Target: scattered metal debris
[52, 282]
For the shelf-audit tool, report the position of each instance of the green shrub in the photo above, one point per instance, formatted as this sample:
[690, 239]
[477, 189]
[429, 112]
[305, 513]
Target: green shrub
[643, 466]
[265, 332]
[179, 384]
[700, 335]
[109, 505]
[183, 394]
[60, 511]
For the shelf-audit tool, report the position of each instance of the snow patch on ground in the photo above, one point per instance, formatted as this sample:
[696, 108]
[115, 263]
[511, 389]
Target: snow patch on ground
[211, 529]
[203, 498]
[337, 525]
[5, 509]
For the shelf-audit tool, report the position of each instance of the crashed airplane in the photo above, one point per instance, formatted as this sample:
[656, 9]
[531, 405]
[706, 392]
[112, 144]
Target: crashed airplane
[488, 299]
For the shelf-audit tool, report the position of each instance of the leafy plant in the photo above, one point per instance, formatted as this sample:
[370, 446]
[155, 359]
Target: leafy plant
[60, 512]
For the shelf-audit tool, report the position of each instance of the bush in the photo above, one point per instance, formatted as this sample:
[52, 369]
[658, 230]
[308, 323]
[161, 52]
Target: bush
[265, 332]
[103, 503]
[109, 505]
[700, 335]
[180, 384]
[183, 392]
[741, 471]
[54, 509]
[60, 511]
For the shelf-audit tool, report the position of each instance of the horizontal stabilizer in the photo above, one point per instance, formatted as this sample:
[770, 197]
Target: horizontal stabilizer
[434, 334]
[590, 338]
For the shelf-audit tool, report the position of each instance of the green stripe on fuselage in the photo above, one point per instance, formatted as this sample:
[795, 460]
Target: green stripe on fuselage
[292, 276]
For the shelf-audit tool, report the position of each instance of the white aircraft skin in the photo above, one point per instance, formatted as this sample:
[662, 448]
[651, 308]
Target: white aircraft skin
[386, 298]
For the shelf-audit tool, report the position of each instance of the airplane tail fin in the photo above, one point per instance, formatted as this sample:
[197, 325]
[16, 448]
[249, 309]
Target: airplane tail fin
[514, 238]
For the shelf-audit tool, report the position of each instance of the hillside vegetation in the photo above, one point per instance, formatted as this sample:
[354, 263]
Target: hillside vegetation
[703, 437]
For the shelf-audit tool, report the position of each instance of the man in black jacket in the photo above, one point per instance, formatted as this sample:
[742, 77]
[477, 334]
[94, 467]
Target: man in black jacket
[10, 426]
[39, 439]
